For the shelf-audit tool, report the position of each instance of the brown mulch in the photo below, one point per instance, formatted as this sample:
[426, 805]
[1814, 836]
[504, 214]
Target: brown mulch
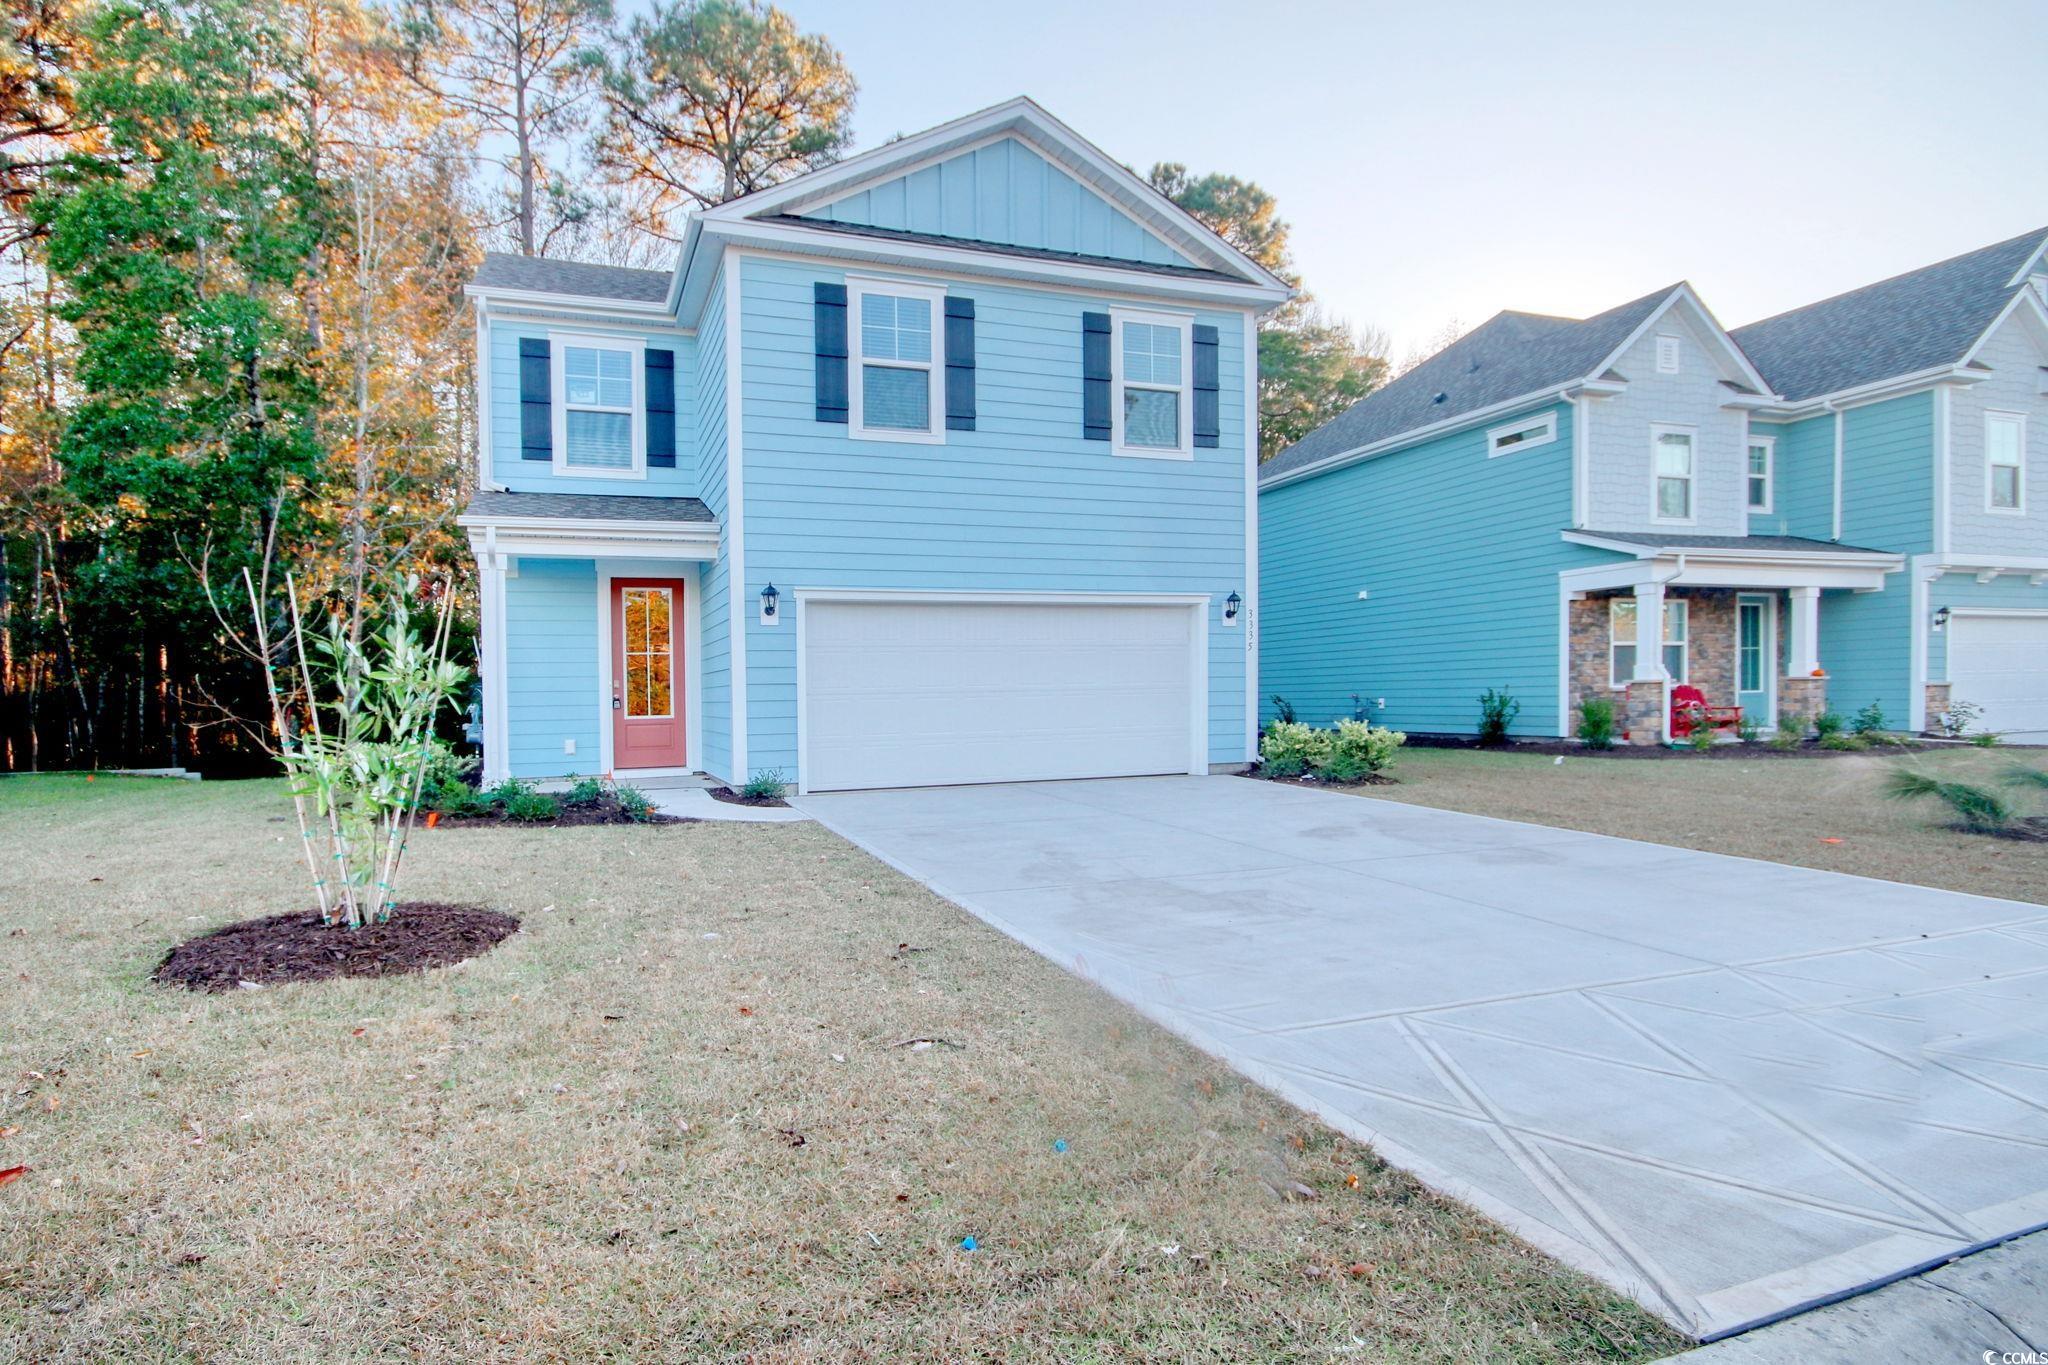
[297, 947]
[1311, 780]
[1624, 750]
[2029, 829]
[733, 798]
[577, 815]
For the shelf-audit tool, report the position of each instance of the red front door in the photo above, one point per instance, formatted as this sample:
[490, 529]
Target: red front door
[647, 673]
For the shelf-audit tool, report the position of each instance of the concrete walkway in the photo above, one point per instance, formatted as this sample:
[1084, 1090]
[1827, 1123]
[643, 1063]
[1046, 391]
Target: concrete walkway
[1731, 1088]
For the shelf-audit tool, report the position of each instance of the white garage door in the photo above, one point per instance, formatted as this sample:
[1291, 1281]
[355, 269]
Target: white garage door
[2001, 664]
[924, 693]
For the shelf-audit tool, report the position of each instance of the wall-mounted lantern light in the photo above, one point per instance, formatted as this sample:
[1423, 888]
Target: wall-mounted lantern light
[1941, 615]
[1231, 605]
[769, 597]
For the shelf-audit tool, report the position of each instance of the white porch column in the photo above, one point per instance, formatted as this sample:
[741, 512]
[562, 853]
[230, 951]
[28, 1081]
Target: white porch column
[1805, 633]
[1649, 632]
[491, 664]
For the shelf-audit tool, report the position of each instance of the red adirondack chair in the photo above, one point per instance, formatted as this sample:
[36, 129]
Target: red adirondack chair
[1689, 711]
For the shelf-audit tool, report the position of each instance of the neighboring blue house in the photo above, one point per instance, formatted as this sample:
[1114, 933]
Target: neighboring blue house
[1842, 505]
[932, 466]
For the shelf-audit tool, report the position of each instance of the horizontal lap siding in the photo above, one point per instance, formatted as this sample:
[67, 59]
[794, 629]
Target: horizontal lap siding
[1459, 556]
[1022, 503]
[1866, 639]
[715, 658]
[551, 666]
[536, 476]
[1805, 495]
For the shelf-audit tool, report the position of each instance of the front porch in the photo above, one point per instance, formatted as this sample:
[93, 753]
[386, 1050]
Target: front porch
[1736, 617]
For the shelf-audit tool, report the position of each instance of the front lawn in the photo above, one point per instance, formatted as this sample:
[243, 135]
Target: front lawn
[671, 1118]
[1786, 812]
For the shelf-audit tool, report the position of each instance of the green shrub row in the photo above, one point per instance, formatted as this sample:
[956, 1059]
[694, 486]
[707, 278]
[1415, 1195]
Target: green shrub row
[1354, 750]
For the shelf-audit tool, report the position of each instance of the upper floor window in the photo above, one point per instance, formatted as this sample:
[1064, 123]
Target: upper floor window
[1672, 454]
[2005, 461]
[896, 394]
[1532, 431]
[597, 426]
[1152, 400]
[1667, 355]
[1762, 451]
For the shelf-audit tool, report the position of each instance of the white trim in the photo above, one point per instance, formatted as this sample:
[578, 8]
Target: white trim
[1184, 392]
[1478, 417]
[1659, 430]
[1916, 698]
[486, 476]
[1252, 430]
[1565, 726]
[1769, 660]
[1712, 554]
[2019, 509]
[858, 288]
[1877, 391]
[1997, 611]
[1197, 604]
[1582, 459]
[691, 575]
[1668, 353]
[1837, 522]
[1944, 466]
[492, 565]
[2027, 266]
[735, 519]
[1687, 569]
[1802, 638]
[627, 311]
[635, 349]
[1537, 430]
[1770, 475]
[2025, 300]
[1729, 350]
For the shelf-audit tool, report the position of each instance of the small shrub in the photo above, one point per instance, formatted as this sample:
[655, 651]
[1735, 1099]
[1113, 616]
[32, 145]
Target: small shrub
[1978, 808]
[1957, 720]
[634, 804]
[530, 806]
[1599, 722]
[1283, 714]
[1360, 750]
[1497, 711]
[587, 791]
[1828, 723]
[1289, 749]
[1843, 742]
[1700, 738]
[1789, 735]
[1985, 739]
[453, 796]
[767, 785]
[1869, 720]
[1747, 728]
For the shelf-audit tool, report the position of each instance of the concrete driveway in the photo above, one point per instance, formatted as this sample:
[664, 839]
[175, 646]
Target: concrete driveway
[1730, 1088]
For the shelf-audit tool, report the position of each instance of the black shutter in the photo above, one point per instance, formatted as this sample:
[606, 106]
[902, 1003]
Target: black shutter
[1095, 376]
[959, 364]
[661, 409]
[1206, 425]
[536, 422]
[828, 315]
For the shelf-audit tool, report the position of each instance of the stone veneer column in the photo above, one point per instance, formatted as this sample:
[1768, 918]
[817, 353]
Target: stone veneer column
[1645, 712]
[1937, 702]
[1803, 697]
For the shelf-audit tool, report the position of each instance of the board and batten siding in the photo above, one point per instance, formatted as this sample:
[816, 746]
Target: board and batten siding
[537, 476]
[1021, 503]
[2014, 385]
[551, 667]
[715, 604]
[1004, 192]
[1458, 556]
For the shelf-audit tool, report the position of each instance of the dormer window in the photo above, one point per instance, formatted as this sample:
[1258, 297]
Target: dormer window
[896, 394]
[1667, 355]
[597, 409]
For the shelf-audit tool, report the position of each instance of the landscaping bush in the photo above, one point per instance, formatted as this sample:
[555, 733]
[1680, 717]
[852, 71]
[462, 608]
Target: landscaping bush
[1360, 750]
[1791, 731]
[1701, 737]
[1747, 728]
[453, 796]
[1957, 720]
[1868, 721]
[585, 791]
[634, 803]
[765, 786]
[1828, 723]
[1847, 743]
[1289, 748]
[1282, 712]
[1985, 739]
[518, 800]
[1599, 722]
[1497, 711]
[1980, 809]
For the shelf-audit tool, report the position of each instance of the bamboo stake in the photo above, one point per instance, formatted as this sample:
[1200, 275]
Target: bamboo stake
[337, 840]
[277, 719]
[436, 656]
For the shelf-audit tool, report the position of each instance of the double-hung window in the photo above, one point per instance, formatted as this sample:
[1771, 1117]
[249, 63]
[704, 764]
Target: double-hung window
[1621, 634]
[597, 404]
[1762, 451]
[1671, 450]
[1152, 404]
[2005, 461]
[896, 393]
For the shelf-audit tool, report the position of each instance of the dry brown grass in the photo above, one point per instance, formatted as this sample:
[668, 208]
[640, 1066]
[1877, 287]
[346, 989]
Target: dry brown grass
[573, 1146]
[1782, 810]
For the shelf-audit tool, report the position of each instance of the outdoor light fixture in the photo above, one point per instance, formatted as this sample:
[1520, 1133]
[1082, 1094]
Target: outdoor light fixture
[1230, 606]
[769, 597]
[1941, 615]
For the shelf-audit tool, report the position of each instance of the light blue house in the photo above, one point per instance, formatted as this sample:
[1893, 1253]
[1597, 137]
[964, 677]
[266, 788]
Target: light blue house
[933, 466]
[1840, 506]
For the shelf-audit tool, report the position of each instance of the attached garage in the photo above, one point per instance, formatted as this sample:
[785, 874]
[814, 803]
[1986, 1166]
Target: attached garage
[1999, 661]
[909, 690]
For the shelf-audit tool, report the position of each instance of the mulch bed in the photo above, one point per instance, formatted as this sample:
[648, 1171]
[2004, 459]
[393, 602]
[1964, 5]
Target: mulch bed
[733, 798]
[577, 815]
[297, 947]
[1625, 750]
[1311, 780]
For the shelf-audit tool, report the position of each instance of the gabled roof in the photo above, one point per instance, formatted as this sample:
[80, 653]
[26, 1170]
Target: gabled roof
[1512, 355]
[1685, 540]
[504, 270]
[1921, 320]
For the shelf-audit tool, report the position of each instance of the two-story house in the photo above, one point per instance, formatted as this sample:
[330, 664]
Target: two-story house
[932, 466]
[1838, 506]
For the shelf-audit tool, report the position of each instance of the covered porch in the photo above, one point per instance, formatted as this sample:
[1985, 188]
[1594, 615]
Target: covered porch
[1735, 617]
[593, 631]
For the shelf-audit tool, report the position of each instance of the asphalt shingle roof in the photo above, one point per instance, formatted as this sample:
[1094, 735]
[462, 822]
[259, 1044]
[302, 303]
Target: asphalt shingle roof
[1032, 253]
[503, 270]
[1509, 355]
[588, 507]
[1911, 322]
[1679, 540]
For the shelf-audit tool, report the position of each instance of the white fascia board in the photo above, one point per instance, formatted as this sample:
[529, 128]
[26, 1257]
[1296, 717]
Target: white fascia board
[2024, 302]
[1449, 425]
[1002, 597]
[1722, 555]
[787, 239]
[1877, 391]
[579, 538]
[1684, 294]
[2025, 272]
[589, 305]
[1693, 571]
[1936, 565]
